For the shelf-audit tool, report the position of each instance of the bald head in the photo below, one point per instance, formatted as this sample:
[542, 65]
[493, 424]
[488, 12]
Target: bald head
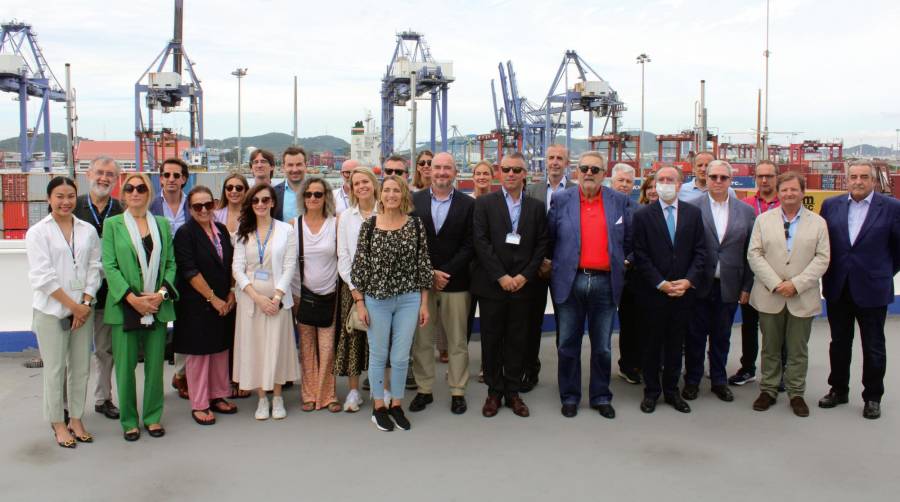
[443, 172]
[346, 170]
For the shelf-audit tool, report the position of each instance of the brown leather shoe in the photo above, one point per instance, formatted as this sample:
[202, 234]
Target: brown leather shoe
[763, 402]
[491, 406]
[518, 406]
[799, 406]
[180, 384]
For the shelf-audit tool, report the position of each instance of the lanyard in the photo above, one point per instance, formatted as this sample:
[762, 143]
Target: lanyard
[72, 245]
[262, 247]
[214, 237]
[97, 220]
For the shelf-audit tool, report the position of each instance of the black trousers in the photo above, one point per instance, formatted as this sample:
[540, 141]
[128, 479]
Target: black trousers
[665, 326]
[629, 331]
[749, 337]
[842, 315]
[506, 333]
[532, 361]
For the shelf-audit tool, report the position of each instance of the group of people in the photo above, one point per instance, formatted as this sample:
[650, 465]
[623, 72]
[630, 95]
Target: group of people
[269, 285]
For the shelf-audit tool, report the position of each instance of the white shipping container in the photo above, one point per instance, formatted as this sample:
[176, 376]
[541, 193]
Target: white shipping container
[36, 212]
[37, 186]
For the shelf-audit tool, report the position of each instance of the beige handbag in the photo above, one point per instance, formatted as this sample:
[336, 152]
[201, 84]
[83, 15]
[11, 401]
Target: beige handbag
[354, 322]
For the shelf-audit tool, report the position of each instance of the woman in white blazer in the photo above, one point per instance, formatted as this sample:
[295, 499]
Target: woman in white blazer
[265, 257]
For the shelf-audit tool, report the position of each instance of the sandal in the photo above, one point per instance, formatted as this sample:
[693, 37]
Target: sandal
[223, 406]
[68, 443]
[237, 393]
[84, 438]
[156, 432]
[210, 418]
[132, 435]
[334, 407]
[308, 406]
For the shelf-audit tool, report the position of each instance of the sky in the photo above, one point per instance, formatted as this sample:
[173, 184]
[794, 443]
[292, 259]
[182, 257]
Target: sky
[832, 71]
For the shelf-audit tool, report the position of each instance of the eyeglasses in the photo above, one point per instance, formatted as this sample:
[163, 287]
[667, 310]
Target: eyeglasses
[592, 169]
[260, 200]
[199, 206]
[258, 162]
[395, 172]
[423, 163]
[515, 170]
[176, 176]
[346, 174]
[234, 188]
[787, 230]
[141, 189]
[765, 175]
[719, 177]
[105, 174]
[318, 195]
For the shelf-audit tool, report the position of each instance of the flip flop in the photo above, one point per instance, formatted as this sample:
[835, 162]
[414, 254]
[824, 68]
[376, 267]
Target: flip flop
[223, 406]
[208, 421]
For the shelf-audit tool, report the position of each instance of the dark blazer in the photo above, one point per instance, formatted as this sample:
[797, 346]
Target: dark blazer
[564, 230]
[156, 208]
[868, 266]
[199, 329]
[496, 258]
[539, 191]
[656, 259]
[279, 200]
[450, 250]
[731, 254]
[82, 211]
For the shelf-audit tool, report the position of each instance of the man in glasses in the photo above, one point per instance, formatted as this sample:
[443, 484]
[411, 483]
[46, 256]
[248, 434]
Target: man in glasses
[864, 227]
[726, 282]
[764, 199]
[590, 236]
[293, 165]
[395, 165]
[94, 207]
[697, 188]
[342, 194]
[788, 253]
[510, 239]
[262, 167]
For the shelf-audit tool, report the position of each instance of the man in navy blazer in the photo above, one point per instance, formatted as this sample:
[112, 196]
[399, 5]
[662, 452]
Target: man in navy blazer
[590, 237]
[864, 231]
[669, 255]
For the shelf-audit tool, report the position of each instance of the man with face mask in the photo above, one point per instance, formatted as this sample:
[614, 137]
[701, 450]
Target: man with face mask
[669, 255]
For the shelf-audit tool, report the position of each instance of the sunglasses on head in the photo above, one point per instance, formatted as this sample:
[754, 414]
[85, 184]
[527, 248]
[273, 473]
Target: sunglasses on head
[199, 206]
[176, 176]
[719, 177]
[318, 195]
[395, 172]
[516, 170]
[423, 163]
[128, 188]
[592, 169]
[260, 200]
[232, 188]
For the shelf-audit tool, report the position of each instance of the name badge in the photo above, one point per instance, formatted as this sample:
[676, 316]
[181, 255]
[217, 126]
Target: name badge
[513, 238]
[76, 285]
[262, 275]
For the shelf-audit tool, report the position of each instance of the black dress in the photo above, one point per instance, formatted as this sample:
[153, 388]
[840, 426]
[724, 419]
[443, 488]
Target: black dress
[199, 330]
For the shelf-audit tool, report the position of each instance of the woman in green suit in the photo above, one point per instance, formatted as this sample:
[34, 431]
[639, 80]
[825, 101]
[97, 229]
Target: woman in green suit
[140, 269]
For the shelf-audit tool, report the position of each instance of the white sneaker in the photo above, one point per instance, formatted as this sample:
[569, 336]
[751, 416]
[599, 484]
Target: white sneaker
[262, 409]
[278, 411]
[351, 404]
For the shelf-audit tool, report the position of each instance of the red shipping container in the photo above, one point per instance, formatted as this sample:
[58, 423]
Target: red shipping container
[813, 181]
[15, 187]
[14, 234]
[15, 215]
[895, 181]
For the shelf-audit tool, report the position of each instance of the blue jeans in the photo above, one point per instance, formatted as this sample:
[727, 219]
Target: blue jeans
[392, 323]
[591, 299]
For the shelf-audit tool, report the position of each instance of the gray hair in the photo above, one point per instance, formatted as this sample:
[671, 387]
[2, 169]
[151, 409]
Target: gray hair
[862, 162]
[103, 160]
[621, 167]
[593, 153]
[676, 168]
[329, 209]
[719, 162]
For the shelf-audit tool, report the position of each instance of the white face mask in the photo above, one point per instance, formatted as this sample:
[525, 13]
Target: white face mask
[666, 191]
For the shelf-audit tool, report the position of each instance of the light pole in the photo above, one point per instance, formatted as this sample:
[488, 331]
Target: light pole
[239, 73]
[641, 60]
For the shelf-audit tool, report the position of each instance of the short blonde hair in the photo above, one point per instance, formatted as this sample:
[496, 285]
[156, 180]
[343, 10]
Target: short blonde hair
[406, 203]
[365, 171]
[143, 177]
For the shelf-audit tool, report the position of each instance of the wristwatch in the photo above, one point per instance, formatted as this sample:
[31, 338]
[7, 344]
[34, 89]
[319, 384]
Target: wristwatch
[164, 292]
[86, 302]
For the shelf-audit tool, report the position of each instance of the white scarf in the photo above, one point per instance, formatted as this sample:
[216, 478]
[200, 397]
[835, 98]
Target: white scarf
[150, 271]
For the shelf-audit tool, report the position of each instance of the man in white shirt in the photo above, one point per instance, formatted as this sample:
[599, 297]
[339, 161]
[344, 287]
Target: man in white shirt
[342, 194]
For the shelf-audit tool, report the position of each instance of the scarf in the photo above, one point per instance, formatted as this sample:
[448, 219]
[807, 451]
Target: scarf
[149, 271]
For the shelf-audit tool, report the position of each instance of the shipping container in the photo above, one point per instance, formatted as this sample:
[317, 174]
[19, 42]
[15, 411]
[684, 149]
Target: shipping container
[37, 186]
[895, 182]
[15, 234]
[37, 211]
[15, 187]
[83, 184]
[1, 216]
[15, 215]
[813, 181]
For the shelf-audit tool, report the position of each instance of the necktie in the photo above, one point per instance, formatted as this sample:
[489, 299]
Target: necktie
[670, 222]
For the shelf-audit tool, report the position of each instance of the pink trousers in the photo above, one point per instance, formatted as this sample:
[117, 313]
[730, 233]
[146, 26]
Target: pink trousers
[207, 378]
[317, 365]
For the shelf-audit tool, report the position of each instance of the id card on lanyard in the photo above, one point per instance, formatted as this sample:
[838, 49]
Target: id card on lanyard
[261, 274]
[76, 283]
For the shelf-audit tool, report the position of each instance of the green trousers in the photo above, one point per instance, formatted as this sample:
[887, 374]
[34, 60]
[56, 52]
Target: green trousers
[125, 346]
[791, 332]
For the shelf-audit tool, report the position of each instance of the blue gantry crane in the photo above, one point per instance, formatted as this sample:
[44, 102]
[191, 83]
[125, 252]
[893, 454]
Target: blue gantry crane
[412, 55]
[24, 70]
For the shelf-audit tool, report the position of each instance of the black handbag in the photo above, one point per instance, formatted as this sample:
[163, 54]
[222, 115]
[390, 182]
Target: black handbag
[314, 309]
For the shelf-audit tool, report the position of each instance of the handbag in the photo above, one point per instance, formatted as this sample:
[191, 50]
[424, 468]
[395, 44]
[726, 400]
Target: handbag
[314, 309]
[354, 323]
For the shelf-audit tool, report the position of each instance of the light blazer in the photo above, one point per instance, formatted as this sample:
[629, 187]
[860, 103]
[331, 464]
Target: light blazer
[283, 246]
[772, 264]
[539, 191]
[869, 265]
[564, 229]
[123, 272]
[731, 254]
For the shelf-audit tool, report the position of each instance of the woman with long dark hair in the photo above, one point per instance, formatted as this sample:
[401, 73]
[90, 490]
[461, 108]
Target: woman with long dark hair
[422, 171]
[234, 190]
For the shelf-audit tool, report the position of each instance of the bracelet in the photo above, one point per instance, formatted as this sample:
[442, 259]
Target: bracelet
[211, 296]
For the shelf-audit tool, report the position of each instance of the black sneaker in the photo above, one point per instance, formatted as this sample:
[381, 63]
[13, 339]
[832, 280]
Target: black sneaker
[399, 418]
[382, 420]
[742, 377]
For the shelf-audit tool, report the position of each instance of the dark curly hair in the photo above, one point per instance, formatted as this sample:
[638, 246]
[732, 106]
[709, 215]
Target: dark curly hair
[247, 220]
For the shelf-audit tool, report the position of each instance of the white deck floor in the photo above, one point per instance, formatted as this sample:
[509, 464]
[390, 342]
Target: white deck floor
[721, 451]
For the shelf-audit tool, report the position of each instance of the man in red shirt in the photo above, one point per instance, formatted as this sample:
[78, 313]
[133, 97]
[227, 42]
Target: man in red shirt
[589, 228]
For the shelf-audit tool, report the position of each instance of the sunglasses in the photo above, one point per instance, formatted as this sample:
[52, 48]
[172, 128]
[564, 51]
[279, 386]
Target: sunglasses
[199, 206]
[128, 188]
[260, 200]
[592, 169]
[423, 163]
[395, 172]
[787, 230]
[232, 188]
[719, 177]
[176, 176]
[318, 195]
[516, 170]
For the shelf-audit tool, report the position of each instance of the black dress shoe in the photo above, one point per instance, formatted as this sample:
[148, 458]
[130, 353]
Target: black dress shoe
[872, 410]
[679, 404]
[108, 409]
[648, 405]
[833, 399]
[420, 402]
[155, 433]
[690, 392]
[606, 410]
[458, 405]
[723, 393]
[569, 410]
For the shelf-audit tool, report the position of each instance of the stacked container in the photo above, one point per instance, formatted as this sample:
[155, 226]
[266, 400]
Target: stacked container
[15, 205]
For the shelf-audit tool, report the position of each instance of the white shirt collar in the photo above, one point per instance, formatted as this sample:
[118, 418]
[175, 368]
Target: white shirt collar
[720, 204]
[665, 204]
[867, 199]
